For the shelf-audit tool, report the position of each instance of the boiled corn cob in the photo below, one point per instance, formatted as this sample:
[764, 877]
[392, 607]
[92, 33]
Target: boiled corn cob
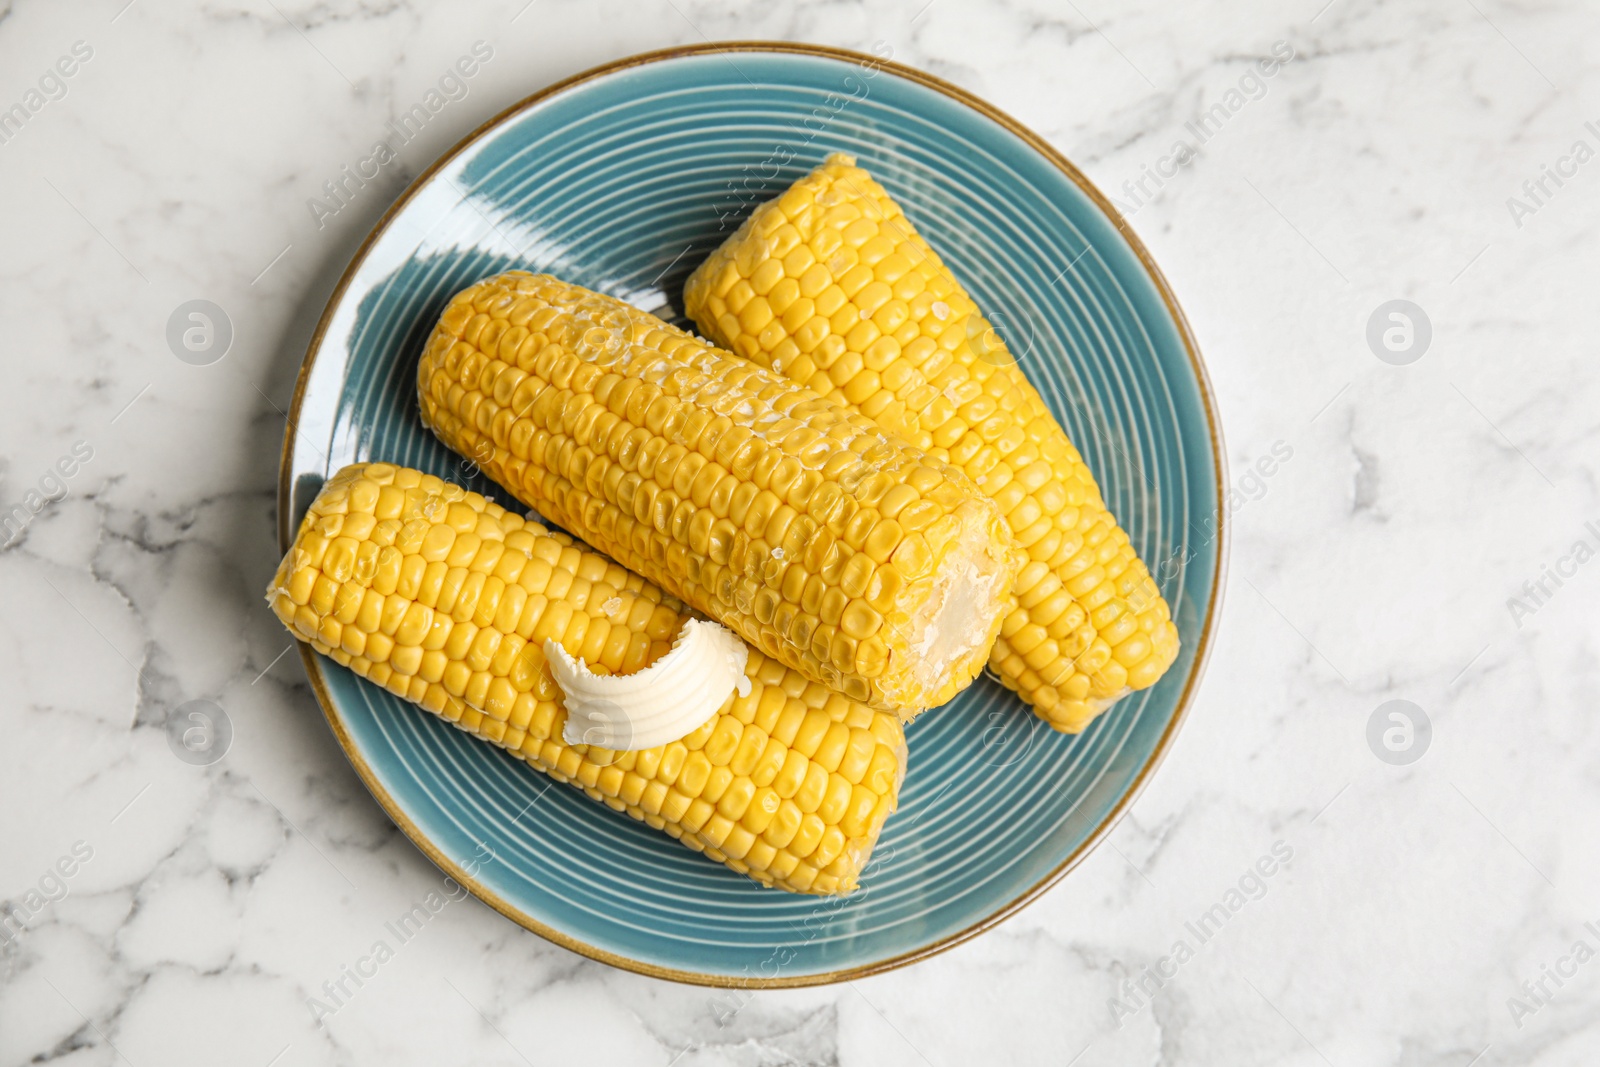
[444, 599]
[801, 526]
[832, 286]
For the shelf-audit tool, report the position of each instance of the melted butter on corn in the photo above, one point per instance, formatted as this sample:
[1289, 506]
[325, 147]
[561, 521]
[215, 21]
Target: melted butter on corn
[831, 285]
[446, 599]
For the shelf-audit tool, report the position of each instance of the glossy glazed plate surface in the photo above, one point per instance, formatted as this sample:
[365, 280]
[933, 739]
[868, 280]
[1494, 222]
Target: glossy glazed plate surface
[623, 180]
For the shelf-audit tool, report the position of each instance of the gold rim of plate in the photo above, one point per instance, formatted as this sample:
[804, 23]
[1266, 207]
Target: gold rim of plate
[314, 666]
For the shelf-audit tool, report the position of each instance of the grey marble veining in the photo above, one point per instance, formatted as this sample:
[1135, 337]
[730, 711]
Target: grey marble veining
[1417, 539]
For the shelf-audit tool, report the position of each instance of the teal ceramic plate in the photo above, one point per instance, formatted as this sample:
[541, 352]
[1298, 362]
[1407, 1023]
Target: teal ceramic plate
[622, 180]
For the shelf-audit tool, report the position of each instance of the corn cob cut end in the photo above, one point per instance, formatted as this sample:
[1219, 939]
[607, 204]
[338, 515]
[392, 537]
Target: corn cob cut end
[444, 599]
[957, 625]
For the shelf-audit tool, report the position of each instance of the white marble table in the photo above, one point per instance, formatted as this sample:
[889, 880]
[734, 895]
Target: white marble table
[1424, 907]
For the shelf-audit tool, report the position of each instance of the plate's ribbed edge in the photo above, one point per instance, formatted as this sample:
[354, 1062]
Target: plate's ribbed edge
[313, 663]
